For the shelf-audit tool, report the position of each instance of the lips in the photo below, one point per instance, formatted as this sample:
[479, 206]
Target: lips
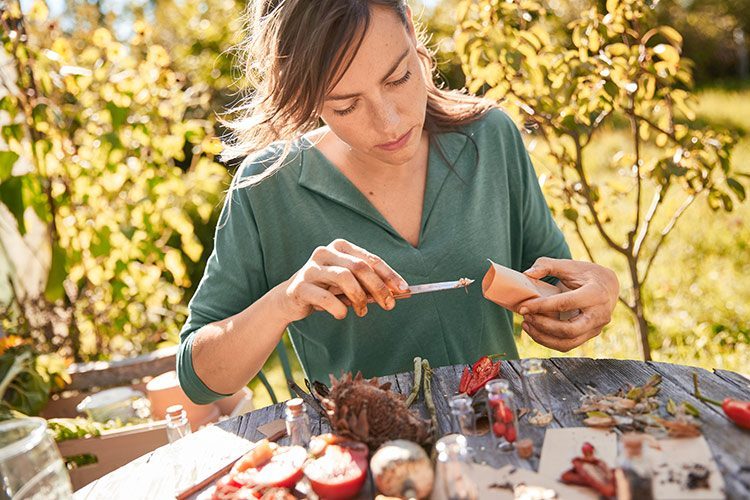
[398, 143]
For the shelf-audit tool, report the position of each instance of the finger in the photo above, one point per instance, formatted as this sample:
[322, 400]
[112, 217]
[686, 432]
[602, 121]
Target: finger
[393, 279]
[547, 266]
[343, 279]
[559, 344]
[321, 299]
[370, 280]
[556, 328]
[580, 298]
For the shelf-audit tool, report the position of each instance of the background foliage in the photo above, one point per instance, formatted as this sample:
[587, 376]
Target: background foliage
[107, 168]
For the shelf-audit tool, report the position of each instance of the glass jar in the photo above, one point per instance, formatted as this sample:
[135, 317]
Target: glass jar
[463, 414]
[501, 408]
[297, 423]
[178, 425]
[536, 391]
[633, 476]
[30, 463]
[453, 468]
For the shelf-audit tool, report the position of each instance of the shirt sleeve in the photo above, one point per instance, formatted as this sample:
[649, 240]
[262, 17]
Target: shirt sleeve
[541, 235]
[234, 278]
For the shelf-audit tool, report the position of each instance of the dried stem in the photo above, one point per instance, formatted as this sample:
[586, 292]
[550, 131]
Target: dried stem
[417, 381]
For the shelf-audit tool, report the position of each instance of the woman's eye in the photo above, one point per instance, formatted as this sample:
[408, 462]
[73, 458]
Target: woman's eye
[403, 79]
[346, 111]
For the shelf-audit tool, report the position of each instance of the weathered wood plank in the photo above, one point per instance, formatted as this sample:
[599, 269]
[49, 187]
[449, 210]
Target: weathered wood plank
[111, 373]
[737, 379]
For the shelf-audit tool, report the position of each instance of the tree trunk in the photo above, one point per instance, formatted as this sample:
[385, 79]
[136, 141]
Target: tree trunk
[637, 309]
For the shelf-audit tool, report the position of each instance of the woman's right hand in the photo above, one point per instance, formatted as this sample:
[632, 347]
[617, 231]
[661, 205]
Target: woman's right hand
[340, 268]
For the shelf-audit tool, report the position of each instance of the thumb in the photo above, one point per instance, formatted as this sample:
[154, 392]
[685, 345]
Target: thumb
[547, 266]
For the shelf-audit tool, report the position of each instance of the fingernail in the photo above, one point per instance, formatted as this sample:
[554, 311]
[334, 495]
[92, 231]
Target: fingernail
[531, 270]
[523, 311]
[525, 327]
[403, 285]
[389, 302]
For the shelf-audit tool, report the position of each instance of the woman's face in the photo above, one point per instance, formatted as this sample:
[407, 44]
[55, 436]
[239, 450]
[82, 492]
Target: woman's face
[378, 106]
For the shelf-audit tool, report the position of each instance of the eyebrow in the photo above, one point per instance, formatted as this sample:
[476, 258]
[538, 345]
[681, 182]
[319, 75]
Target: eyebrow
[341, 97]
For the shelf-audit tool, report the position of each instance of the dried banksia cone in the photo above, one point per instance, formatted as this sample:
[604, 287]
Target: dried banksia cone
[366, 411]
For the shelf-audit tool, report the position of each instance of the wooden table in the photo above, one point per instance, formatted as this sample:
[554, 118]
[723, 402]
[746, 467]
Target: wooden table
[569, 378]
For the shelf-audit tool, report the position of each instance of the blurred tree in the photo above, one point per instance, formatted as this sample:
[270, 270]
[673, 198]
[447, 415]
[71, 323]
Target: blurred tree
[91, 130]
[567, 85]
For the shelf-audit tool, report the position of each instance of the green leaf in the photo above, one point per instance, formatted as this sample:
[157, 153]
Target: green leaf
[692, 410]
[671, 407]
[57, 273]
[7, 160]
[738, 188]
[596, 414]
[571, 214]
[11, 196]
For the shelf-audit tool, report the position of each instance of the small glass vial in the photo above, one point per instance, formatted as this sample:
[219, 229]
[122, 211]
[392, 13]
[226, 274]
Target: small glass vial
[178, 425]
[297, 423]
[633, 476]
[535, 382]
[463, 414]
[501, 408]
[454, 464]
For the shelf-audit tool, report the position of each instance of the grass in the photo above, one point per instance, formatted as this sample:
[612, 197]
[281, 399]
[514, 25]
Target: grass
[698, 301]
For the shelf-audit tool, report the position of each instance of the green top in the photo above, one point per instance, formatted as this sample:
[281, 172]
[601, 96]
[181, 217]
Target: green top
[490, 207]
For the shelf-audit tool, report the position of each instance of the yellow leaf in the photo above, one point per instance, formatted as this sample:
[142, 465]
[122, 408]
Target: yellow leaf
[39, 11]
[668, 54]
[672, 34]
[173, 263]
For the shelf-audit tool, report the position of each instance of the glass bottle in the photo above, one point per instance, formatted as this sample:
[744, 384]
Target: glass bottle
[178, 425]
[463, 414]
[454, 465]
[535, 384]
[501, 408]
[633, 476]
[297, 423]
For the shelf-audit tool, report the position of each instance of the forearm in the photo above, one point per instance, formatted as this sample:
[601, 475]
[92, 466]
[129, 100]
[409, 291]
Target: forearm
[227, 354]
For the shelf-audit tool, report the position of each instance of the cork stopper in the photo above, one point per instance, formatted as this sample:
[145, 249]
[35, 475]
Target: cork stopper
[174, 412]
[632, 444]
[295, 407]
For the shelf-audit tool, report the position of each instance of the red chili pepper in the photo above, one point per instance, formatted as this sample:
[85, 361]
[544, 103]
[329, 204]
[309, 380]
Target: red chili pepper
[592, 472]
[481, 372]
[463, 385]
[736, 410]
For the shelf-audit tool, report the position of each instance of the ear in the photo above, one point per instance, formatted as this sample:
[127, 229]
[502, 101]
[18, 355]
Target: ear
[410, 26]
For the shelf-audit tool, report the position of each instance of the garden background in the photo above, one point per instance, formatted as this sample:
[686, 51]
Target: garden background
[636, 116]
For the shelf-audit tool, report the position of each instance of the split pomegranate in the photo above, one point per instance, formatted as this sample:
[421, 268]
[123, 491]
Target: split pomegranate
[340, 471]
[282, 470]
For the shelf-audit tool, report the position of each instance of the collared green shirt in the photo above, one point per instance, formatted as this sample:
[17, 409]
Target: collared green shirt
[488, 206]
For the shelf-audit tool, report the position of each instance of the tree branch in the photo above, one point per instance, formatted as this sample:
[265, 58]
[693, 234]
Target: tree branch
[589, 201]
[655, 203]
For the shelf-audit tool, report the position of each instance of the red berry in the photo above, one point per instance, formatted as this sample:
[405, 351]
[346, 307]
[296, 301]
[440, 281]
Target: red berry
[507, 415]
[587, 449]
[510, 434]
[498, 428]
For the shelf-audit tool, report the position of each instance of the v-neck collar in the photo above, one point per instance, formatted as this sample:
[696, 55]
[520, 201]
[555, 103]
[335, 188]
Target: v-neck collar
[319, 174]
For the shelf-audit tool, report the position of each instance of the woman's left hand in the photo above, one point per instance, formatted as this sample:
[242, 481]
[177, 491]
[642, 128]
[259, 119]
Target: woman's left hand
[592, 289]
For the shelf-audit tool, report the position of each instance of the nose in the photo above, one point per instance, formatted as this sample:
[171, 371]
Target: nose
[386, 117]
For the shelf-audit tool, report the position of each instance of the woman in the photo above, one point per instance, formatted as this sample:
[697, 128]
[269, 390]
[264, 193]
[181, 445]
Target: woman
[405, 183]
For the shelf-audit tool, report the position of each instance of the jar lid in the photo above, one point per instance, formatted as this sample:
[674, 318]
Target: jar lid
[107, 398]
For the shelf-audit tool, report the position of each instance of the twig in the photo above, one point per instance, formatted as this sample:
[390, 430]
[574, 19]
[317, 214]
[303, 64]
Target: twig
[427, 380]
[417, 381]
[698, 394]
